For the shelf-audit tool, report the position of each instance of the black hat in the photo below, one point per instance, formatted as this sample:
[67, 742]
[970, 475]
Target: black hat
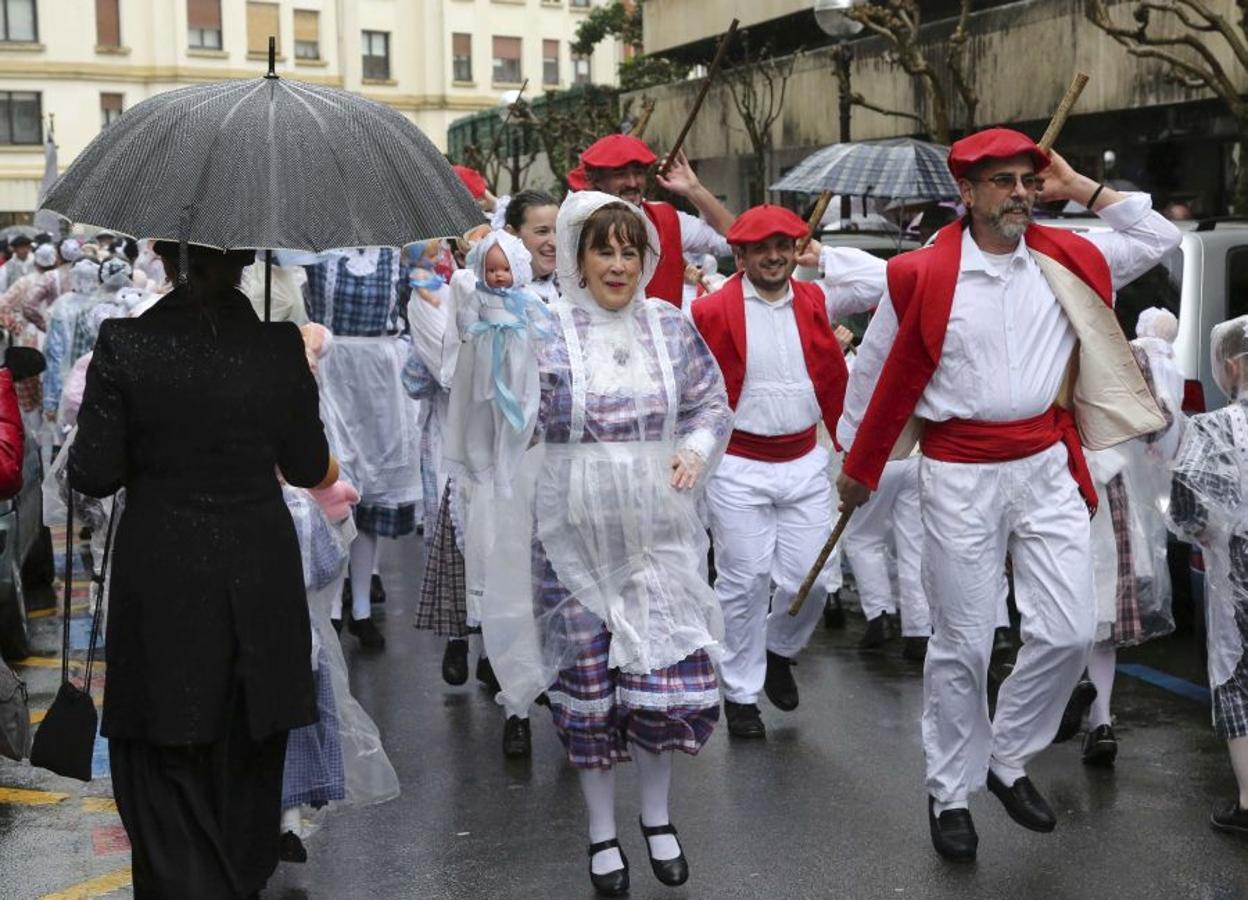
[43, 237]
[20, 240]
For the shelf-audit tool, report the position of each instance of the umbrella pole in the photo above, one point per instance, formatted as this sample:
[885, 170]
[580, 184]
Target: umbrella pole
[268, 284]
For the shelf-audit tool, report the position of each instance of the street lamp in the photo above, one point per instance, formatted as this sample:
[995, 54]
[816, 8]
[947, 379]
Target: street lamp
[830, 16]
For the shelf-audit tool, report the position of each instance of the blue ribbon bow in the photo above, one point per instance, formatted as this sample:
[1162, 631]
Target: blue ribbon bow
[518, 303]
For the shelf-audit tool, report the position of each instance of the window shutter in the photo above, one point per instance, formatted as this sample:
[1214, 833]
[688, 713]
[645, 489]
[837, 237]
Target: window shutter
[204, 14]
[107, 23]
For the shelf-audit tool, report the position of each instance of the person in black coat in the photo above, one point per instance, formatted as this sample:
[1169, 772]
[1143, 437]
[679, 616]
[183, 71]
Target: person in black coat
[194, 408]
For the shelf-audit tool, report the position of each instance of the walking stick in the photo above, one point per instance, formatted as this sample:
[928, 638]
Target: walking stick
[1060, 115]
[697, 104]
[816, 216]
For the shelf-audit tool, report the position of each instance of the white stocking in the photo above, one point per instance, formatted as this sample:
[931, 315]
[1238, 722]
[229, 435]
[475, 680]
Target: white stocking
[335, 605]
[598, 788]
[363, 557]
[1238, 748]
[292, 821]
[1101, 663]
[654, 773]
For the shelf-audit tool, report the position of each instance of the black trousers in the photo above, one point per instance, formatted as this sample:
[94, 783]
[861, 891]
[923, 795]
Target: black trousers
[202, 819]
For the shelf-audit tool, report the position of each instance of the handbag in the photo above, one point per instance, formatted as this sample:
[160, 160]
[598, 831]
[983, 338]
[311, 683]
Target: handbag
[14, 715]
[65, 740]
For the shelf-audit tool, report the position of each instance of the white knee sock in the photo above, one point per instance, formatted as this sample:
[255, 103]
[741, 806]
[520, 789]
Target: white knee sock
[292, 821]
[654, 773]
[1101, 663]
[363, 557]
[335, 605]
[1238, 748]
[598, 788]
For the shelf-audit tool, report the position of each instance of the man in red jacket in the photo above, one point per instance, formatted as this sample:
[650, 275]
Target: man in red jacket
[617, 164]
[973, 337]
[12, 435]
[770, 500]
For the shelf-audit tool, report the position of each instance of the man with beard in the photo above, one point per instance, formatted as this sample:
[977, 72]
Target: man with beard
[770, 500]
[974, 337]
[618, 164]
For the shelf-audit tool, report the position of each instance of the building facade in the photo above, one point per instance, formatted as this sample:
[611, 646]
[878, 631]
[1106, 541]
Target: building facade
[74, 66]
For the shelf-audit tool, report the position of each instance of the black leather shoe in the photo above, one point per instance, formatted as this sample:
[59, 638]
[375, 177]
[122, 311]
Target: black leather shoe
[609, 884]
[779, 685]
[376, 590]
[291, 849]
[1231, 819]
[914, 648]
[517, 738]
[1100, 747]
[486, 676]
[744, 720]
[953, 833]
[336, 624]
[876, 634]
[833, 612]
[1076, 707]
[366, 631]
[672, 872]
[1024, 803]
[455, 662]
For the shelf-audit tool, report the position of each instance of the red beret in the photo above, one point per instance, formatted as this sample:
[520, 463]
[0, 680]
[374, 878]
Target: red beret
[761, 222]
[616, 151]
[577, 179]
[472, 179]
[993, 143]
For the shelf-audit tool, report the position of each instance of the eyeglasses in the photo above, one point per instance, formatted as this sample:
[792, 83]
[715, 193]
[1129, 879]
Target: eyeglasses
[1005, 181]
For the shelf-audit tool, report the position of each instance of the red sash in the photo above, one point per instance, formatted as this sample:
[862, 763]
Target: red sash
[772, 448]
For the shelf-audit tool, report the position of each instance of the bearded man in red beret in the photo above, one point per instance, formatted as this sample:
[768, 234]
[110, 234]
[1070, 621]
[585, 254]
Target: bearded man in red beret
[770, 500]
[998, 345]
[617, 164]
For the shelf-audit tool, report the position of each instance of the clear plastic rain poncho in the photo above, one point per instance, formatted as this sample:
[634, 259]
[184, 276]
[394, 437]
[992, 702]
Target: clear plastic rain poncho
[1209, 507]
[594, 534]
[66, 342]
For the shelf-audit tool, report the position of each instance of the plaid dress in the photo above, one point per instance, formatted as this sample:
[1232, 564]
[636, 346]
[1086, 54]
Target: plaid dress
[314, 773]
[443, 605]
[597, 710]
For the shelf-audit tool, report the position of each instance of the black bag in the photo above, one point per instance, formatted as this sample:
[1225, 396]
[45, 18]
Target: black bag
[65, 741]
[14, 715]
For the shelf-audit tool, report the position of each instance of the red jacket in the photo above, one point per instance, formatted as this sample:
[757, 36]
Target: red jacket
[12, 435]
[668, 282]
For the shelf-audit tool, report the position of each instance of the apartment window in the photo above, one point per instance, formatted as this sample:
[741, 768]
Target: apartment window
[307, 34]
[21, 117]
[110, 109]
[262, 24]
[580, 70]
[377, 55]
[18, 22]
[579, 4]
[461, 57]
[107, 23]
[203, 24]
[506, 60]
[550, 62]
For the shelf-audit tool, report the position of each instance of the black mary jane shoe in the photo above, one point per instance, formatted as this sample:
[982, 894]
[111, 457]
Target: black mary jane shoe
[517, 738]
[1024, 803]
[290, 848]
[615, 882]
[455, 662]
[376, 590]
[953, 833]
[672, 872]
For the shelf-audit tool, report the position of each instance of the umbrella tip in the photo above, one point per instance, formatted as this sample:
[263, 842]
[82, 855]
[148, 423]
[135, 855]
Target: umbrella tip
[272, 73]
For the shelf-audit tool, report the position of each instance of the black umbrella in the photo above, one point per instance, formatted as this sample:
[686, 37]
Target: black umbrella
[265, 163]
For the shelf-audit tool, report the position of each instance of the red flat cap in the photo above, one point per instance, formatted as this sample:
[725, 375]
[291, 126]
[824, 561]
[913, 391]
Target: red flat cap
[616, 151]
[761, 222]
[472, 179]
[577, 179]
[993, 143]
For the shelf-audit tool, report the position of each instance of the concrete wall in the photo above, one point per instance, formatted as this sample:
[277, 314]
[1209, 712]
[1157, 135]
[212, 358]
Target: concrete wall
[674, 23]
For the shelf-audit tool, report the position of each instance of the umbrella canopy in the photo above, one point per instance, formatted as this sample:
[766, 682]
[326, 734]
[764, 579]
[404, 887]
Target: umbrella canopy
[898, 168]
[265, 162]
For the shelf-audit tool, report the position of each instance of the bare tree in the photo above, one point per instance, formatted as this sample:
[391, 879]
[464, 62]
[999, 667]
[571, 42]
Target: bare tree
[1190, 47]
[565, 124]
[758, 86]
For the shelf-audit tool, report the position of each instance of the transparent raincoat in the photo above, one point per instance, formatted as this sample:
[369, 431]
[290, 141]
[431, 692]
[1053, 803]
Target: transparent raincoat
[594, 534]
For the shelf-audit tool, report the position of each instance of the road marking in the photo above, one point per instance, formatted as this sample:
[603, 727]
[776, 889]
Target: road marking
[1167, 682]
[42, 662]
[109, 839]
[95, 887]
[54, 610]
[37, 716]
[99, 805]
[25, 797]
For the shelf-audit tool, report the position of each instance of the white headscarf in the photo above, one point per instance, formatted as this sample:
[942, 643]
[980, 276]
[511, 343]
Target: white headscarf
[84, 277]
[513, 248]
[1156, 322]
[574, 212]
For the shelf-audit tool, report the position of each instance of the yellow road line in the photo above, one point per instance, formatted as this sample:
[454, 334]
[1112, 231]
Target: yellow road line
[95, 887]
[52, 662]
[37, 716]
[24, 797]
[99, 805]
[54, 610]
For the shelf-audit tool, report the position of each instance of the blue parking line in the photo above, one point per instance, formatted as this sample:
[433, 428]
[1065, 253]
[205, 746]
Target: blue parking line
[1167, 682]
[99, 758]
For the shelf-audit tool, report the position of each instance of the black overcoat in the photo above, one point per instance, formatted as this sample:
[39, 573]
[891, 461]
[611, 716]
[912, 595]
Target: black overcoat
[193, 408]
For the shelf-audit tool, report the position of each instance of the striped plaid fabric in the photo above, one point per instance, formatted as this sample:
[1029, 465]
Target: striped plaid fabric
[1126, 629]
[386, 521]
[314, 772]
[354, 305]
[901, 168]
[443, 607]
[1230, 699]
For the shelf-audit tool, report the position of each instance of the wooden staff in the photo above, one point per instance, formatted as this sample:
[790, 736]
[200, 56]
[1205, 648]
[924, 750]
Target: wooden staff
[1050, 136]
[816, 216]
[697, 104]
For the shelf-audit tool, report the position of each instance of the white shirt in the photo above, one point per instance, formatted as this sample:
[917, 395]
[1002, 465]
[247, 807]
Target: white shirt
[1008, 343]
[698, 237]
[778, 396]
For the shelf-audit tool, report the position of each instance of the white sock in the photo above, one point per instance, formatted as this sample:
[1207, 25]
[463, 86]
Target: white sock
[363, 557]
[476, 643]
[1007, 773]
[1101, 663]
[291, 821]
[1238, 748]
[335, 605]
[598, 788]
[939, 807]
[654, 774]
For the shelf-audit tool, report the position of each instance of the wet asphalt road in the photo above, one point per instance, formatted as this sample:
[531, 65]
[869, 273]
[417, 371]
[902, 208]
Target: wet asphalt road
[831, 805]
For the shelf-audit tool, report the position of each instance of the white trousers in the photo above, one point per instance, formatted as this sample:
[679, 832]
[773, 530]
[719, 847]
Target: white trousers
[972, 515]
[890, 521]
[769, 522]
